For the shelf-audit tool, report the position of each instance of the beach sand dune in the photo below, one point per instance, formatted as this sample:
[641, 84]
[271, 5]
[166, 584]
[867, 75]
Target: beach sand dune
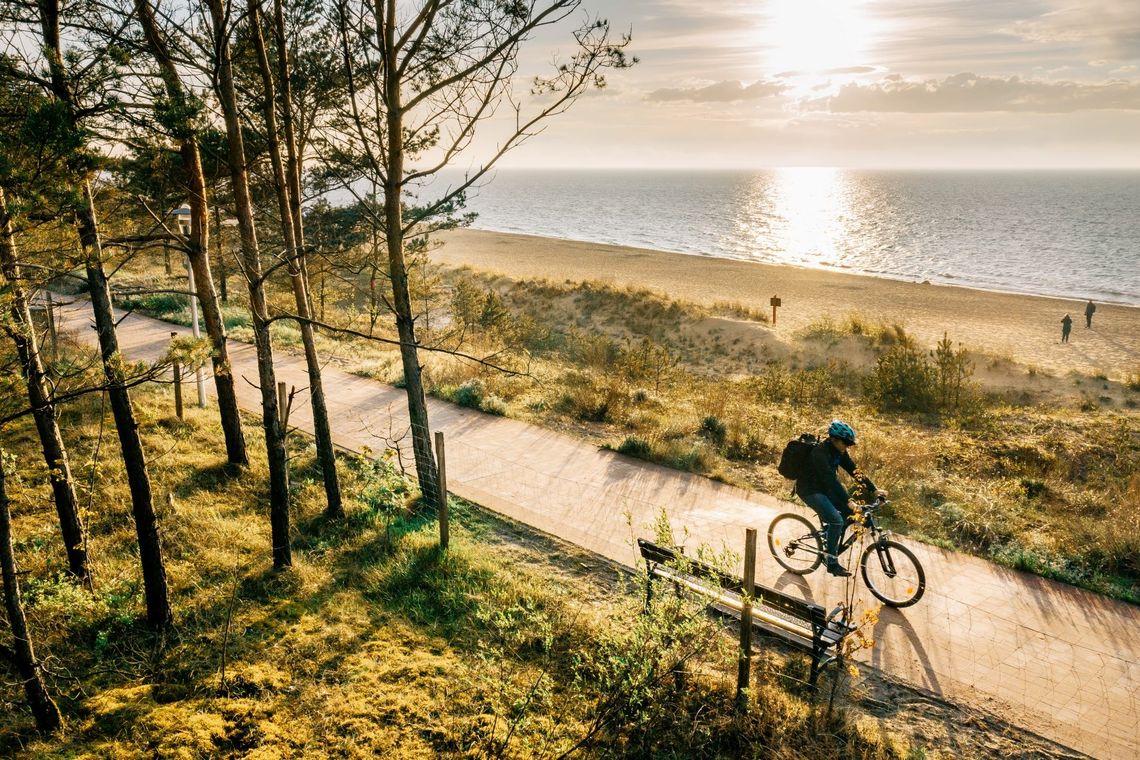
[1025, 328]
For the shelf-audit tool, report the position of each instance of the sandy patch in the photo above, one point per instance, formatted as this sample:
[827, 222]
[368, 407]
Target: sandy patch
[1025, 328]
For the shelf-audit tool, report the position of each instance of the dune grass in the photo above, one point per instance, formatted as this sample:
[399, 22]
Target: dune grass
[1032, 481]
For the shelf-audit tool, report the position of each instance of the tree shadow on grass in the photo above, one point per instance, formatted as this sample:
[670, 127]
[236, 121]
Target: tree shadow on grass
[210, 478]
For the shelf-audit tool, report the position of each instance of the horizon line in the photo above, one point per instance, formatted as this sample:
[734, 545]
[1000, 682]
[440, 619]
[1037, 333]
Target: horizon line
[870, 167]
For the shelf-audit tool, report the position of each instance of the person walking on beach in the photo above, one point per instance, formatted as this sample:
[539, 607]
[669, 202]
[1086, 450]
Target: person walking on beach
[1090, 308]
[1066, 328]
[820, 489]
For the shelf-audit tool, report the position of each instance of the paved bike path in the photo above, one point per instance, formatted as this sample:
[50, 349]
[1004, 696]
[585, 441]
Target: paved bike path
[1062, 662]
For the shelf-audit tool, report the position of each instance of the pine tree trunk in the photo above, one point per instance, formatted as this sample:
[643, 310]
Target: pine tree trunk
[289, 225]
[43, 707]
[146, 527]
[405, 322]
[199, 244]
[43, 408]
[293, 154]
[158, 613]
[211, 309]
[251, 265]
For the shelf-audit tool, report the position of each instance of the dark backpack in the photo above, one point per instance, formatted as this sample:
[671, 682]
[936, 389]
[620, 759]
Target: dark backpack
[794, 460]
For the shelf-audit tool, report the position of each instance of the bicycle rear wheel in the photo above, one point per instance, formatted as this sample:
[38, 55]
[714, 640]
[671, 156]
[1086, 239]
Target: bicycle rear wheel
[892, 573]
[795, 543]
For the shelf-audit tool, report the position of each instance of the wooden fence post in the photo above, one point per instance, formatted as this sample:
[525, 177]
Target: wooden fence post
[282, 404]
[744, 670]
[441, 465]
[177, 383]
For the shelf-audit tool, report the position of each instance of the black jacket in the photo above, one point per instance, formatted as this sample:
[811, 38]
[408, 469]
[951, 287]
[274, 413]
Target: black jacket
[821, 476]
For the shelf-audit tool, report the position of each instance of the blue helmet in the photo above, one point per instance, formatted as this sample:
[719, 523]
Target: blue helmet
[842, 431]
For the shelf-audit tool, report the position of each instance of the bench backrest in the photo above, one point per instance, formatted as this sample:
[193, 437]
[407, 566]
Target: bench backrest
[778, 600]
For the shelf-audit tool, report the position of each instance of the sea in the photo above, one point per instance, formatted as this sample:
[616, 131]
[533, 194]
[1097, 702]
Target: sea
[1074, 234]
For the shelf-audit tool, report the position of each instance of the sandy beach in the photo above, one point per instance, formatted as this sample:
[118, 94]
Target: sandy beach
[1023, 327]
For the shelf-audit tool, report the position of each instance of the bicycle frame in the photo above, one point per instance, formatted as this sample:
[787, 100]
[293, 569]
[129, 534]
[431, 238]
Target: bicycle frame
[868, 524]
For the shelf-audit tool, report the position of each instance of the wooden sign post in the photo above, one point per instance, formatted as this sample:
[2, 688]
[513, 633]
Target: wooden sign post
[775, 301]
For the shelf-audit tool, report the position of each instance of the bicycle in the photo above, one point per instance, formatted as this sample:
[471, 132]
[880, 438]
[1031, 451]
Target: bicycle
[890, 570]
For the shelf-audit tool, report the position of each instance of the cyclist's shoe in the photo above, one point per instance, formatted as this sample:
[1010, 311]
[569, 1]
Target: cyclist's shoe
[837, 569]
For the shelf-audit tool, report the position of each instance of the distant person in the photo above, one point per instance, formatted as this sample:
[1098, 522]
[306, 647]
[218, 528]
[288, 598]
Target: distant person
[820, 489]
[1090, 309]
[1066, 328]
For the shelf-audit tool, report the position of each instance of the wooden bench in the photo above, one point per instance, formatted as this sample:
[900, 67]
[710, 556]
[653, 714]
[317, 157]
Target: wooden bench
[804, 625]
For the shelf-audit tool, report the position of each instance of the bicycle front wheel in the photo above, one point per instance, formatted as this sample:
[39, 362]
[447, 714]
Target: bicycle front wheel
[795, 543]
[892, 573]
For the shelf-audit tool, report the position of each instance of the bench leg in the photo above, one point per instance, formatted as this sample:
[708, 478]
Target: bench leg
[648, 585]
[818, 651]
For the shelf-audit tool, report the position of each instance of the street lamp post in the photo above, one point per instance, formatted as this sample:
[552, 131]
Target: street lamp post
[183, 215]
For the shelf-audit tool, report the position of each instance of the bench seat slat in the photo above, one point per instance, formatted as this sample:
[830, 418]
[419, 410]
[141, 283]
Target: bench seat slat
[772, 598]
[734, 603]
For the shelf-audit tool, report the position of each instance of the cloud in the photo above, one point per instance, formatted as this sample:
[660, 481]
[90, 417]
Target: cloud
[727, 91]
[1111, 27]
[826, 72]
[970, 93]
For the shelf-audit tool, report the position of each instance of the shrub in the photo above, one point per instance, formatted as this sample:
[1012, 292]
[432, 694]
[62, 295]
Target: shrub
[1033, 488]
[494, 405]
[587, 402]
[156, 304]
[778, 384]
[686, 457]
[470, 394]
[748, 447]
[903, 379]
[1133, 380]
[635, 446]
[714, 429]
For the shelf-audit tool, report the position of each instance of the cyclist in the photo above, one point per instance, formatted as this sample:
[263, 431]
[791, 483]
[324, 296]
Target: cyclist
[820, 489]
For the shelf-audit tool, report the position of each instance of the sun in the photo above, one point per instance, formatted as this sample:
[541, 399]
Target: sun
[815, 36]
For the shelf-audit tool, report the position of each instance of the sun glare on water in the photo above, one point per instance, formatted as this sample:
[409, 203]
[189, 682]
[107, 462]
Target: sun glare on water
[815, 36]
[798, 215]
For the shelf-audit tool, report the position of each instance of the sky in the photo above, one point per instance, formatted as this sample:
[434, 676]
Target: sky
[856, 83]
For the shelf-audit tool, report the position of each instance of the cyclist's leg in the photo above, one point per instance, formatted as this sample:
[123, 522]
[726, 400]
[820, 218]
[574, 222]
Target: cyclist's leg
[831, 518]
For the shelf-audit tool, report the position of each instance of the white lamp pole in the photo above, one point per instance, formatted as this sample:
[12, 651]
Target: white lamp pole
[184, 228]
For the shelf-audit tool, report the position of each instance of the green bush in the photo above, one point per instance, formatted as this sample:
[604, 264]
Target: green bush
[156, 304]
[714, 429]
[470, 394]
[903, 380]
[636, 446]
